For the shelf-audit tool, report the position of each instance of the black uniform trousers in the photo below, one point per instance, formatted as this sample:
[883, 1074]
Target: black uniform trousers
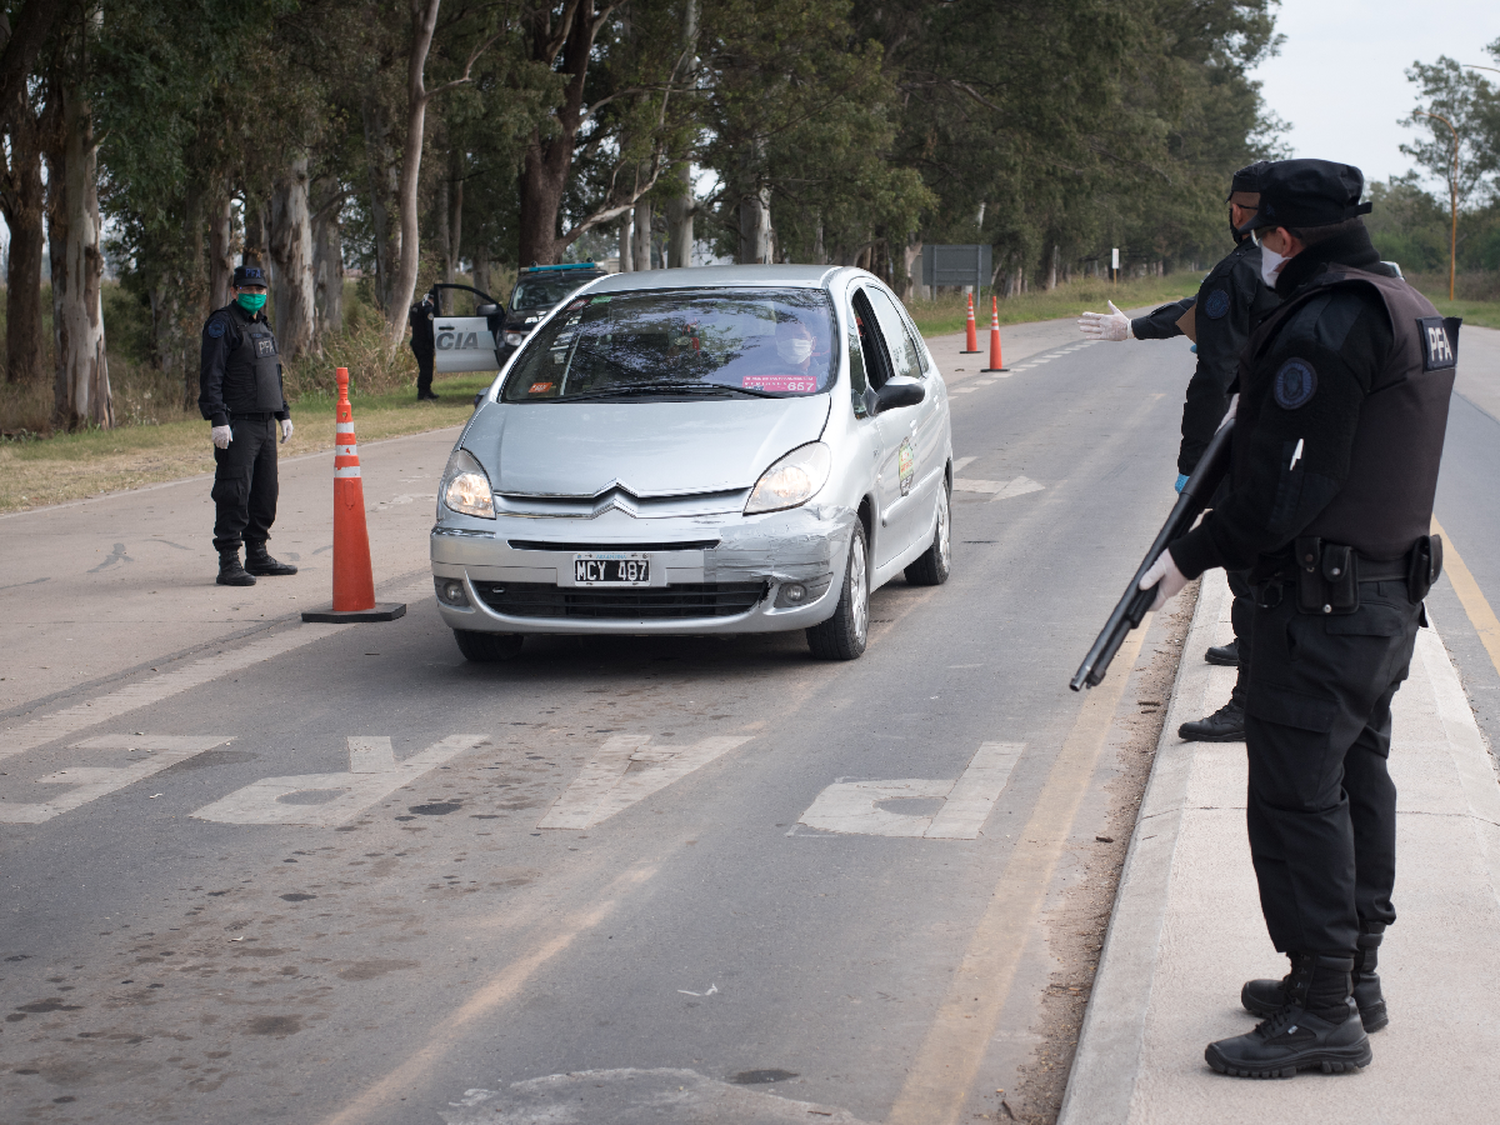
[1321, 811]
[1241, 620]
[424, 370]
[245, 482]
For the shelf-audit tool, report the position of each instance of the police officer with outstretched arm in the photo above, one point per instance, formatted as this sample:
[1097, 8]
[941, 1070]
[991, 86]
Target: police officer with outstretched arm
[1230, 302]
[1344, 394]
[241, 396]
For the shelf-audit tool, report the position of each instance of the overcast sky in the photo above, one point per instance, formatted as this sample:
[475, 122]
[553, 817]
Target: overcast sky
[1340, 78]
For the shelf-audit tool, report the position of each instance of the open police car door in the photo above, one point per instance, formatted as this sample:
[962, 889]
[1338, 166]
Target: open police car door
[467, 343]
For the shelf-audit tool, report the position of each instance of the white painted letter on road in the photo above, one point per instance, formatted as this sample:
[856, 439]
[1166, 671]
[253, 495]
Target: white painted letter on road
[627, 770]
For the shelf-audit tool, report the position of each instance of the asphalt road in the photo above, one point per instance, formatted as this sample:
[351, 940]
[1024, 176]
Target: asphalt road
[261, 870]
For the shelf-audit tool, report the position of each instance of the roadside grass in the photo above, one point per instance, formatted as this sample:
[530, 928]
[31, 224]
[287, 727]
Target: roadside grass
[948, 312]
[35, 471]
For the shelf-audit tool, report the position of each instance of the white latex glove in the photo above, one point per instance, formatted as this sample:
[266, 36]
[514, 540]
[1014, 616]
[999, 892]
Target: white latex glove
[1234, 404]
[1163, 570]
[1113, 325]
[286, 429]
[222, 436]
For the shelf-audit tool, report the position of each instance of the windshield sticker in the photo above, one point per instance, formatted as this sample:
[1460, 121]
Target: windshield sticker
[540, 388]
[781, 384]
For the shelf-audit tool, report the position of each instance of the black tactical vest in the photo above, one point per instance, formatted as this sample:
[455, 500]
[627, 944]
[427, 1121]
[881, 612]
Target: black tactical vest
[1385, 504]
[257, 351]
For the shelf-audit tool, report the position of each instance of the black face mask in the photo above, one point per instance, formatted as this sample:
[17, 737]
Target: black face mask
[1234, 230]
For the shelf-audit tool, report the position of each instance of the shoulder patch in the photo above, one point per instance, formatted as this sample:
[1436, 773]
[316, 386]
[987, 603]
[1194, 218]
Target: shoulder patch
[1439, 349]
[214, 328]
[1217, 304]
[1295, 384]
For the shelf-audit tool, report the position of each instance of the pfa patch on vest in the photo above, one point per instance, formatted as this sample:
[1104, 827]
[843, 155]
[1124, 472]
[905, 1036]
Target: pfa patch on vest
[1295, 384]
[1439, 348]
[1217, 304]
[265, 347]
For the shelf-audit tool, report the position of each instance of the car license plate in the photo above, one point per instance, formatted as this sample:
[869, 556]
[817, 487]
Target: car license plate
[611, 570]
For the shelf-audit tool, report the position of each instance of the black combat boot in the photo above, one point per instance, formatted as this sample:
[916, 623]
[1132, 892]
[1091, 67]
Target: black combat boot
[1226, 656]
[1317, 1026]
[1227, 724]
[1265, 997]
[231, 573]
[258, 562]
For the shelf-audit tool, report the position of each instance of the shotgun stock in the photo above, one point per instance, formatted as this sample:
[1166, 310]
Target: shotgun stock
[1134, 605]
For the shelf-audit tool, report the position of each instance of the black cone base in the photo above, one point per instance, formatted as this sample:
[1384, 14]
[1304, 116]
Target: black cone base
[382, 611]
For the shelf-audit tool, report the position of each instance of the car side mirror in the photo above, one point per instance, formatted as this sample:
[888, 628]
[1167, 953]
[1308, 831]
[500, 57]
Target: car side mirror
[895, 395]
[487, 310]
[478, 399]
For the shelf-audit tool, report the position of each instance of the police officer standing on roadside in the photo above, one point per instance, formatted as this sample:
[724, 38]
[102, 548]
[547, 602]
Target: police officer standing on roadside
[241, 396]
[1344, 394]
[1230, 302]
[422, 342]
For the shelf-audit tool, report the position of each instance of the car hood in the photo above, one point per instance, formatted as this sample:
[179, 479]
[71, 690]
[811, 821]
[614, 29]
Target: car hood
[649, 449]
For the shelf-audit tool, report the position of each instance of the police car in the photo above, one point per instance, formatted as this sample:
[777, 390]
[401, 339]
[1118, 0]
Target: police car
[538, 290]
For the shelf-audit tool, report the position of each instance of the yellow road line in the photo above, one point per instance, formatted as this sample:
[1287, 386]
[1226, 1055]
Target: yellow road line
[1469, 594]
[948, 1062]
[496, 991]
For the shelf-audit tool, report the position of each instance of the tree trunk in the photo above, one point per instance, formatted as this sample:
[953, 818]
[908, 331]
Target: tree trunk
[292, 253]
[254, 251]
[328, 259]
[482, 271]
[627, 243]
[424, 15]
[680, 211]
[549, 158]
[641, 245]
[1052, 267]
[453, 217]
[81, 394]
[23, 203]
[755, 227]
[220, 254]
[383, 190]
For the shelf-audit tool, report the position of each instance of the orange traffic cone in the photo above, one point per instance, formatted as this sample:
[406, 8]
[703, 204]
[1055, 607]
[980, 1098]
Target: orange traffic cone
[353, 578]
[971, 346]
[996, 364]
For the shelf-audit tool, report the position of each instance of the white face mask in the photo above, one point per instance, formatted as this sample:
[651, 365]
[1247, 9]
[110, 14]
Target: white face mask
[794, 349]
[1270, 265]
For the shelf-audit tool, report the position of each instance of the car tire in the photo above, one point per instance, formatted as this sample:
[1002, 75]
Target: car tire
[843, 636]
[487, 647]
[935, 564]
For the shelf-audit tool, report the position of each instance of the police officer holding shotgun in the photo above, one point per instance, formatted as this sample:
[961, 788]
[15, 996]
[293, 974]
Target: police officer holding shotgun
[1230, 302]
[1344, 393]
[240, 395]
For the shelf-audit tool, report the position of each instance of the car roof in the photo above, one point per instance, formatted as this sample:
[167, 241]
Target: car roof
[719, 277]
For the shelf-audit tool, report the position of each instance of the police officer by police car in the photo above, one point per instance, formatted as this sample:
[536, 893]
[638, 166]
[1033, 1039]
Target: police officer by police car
[1344, 394]
[240, 394]
[1230, 302]
[422, 342]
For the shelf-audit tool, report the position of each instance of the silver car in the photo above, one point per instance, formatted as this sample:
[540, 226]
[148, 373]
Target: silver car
[737, 449]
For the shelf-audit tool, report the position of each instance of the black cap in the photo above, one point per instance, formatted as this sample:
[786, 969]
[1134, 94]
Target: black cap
[250, 275]
[1248, 178]
[1308, 193]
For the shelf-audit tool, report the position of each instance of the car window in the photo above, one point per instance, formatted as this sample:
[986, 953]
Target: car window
[680, 342]
[904, 353]
[544, 292]
[857, 381]
[877, 361]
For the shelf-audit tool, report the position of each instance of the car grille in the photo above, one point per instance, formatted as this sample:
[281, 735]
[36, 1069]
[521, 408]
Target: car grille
[634, 603]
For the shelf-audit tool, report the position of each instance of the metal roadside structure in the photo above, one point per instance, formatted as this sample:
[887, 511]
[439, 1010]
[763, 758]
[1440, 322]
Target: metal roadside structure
[964, 265]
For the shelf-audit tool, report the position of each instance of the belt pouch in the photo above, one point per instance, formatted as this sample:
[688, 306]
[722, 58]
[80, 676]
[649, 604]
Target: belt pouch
[1309, 551]
[1340, 579]
[1426, 563]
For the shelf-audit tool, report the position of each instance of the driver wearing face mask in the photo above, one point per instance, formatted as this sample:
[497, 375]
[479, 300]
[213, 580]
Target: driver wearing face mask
[794, 345]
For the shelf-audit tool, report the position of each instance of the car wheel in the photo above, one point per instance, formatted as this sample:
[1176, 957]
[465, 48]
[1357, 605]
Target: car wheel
[936, 563]
[843, 636]
[485, 647]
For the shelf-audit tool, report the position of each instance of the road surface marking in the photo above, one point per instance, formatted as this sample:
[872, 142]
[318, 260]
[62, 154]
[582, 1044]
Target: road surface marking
[71, 720]
[998, 489]
[453, 1026]
[627, 770]
[325, 800]
[942, 1075]
[92, 782]
[1481, 616]
[854, 807]
[963, 463]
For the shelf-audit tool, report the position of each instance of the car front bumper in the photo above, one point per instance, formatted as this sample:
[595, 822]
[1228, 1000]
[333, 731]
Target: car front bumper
[717, 574]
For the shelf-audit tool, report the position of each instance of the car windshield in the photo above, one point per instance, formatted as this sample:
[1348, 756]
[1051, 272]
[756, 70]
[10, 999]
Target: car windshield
[544, 292]
[680, 343]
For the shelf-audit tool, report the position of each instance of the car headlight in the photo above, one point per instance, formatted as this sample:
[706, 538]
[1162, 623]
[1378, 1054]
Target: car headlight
[465, 487]
[793, 480]
[514, 339]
